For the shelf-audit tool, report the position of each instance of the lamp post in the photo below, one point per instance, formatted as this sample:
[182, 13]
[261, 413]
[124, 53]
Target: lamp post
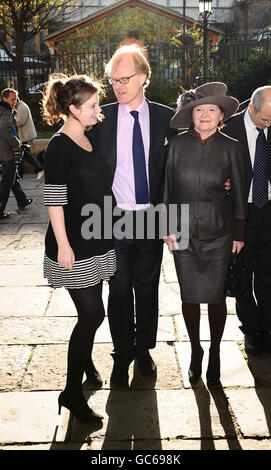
[205, 10]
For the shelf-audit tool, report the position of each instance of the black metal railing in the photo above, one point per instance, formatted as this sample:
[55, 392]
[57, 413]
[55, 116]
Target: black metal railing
[175, 66]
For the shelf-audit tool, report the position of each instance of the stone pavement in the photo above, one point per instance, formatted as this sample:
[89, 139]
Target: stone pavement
[164, 413]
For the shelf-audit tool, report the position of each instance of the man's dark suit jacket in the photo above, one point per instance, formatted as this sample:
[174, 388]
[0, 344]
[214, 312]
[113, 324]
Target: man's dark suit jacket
[104, 138]
[235, 127]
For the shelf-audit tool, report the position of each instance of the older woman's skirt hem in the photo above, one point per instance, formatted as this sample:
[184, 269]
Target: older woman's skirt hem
[202, 268]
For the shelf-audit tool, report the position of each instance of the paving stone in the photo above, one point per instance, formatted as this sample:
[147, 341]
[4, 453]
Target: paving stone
[169, 298]
[21, 257]
[47, 330]
[234, 369]
[158, 415]
[9, 228]
[22, 275]
[40, 216]
[252, 410]
[231, 331]
[53, 376]
[169, 272]
[61, 304]
[24, 301]
[35, 240]
[9, 241]
[35, 330]
[31, 229]
[30, 417]
[13, 364]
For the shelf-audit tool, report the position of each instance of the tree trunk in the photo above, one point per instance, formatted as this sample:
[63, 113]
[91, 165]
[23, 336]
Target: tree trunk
[20, 66]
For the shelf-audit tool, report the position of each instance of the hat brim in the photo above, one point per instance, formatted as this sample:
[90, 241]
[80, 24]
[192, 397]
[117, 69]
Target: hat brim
[182, 119]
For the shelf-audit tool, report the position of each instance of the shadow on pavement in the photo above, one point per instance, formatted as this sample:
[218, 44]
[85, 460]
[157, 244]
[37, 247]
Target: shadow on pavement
[203, 398]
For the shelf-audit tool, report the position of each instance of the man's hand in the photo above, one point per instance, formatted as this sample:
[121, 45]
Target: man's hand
[227, 185]
[237, 246]
[171, 240]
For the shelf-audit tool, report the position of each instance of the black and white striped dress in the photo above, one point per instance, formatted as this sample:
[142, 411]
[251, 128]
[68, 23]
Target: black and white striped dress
[74, 178]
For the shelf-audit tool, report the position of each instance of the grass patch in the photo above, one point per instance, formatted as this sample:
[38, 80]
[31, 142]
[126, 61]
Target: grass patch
[45, 134]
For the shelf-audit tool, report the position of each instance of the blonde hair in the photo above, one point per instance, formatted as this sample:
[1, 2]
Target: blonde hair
[63, 91]
[139, 55]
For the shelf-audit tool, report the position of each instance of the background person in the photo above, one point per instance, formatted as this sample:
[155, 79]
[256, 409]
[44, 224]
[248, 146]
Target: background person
[199, 162]
[26, 132]
[8, 144]
[252, 128]
[76, 175]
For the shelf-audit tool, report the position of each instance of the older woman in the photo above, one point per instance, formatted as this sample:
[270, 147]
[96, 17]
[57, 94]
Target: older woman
[200, 160]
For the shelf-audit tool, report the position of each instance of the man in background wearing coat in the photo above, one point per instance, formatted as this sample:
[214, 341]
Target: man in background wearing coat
[134, 328]
[27, 133]
[252, 128]
[9, 142]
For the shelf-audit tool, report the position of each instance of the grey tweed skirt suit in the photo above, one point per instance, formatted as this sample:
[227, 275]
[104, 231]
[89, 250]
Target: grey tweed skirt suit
[196, 172]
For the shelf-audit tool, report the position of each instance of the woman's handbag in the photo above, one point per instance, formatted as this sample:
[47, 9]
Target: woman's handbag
[238, 276]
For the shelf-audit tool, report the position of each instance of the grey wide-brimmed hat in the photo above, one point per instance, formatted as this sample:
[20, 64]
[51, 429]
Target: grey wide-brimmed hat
[209, 93]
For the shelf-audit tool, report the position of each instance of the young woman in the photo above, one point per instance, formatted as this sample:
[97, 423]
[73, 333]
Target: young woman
[75, 175]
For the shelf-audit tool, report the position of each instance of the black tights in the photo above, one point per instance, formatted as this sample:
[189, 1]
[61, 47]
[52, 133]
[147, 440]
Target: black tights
[217, 314]
[90, 310]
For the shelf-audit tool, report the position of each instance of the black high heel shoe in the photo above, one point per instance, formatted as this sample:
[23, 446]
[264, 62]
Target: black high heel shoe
[93, 375]
[78, 406]
[195, 374]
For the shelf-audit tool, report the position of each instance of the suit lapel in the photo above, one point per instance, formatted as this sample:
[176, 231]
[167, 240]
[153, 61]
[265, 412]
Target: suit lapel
[154, 121]
[243, 139]
[111, 125]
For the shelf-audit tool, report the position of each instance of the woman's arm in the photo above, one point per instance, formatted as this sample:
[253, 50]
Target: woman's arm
[66, 256]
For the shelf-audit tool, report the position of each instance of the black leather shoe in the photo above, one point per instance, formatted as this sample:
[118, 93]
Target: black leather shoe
[253, 342]
[78, 406]
[120, 376]
[29, 201]
[4, 215]
[146, 364]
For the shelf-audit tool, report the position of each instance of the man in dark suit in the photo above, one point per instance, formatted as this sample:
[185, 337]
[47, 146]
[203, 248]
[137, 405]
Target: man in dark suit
[252, 128]
[134, 327]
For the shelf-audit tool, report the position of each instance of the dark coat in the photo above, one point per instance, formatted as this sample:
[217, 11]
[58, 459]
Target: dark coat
[104, 138]
[7, 138]
[195, 174]
[235, 128]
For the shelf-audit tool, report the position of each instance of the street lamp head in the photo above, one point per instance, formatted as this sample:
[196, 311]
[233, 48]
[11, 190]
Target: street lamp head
[205, 6]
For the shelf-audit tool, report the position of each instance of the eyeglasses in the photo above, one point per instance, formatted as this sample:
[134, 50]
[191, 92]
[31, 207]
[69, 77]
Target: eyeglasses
[122, 80]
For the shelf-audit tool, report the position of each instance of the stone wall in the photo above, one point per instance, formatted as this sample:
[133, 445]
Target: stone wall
[251, 16]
